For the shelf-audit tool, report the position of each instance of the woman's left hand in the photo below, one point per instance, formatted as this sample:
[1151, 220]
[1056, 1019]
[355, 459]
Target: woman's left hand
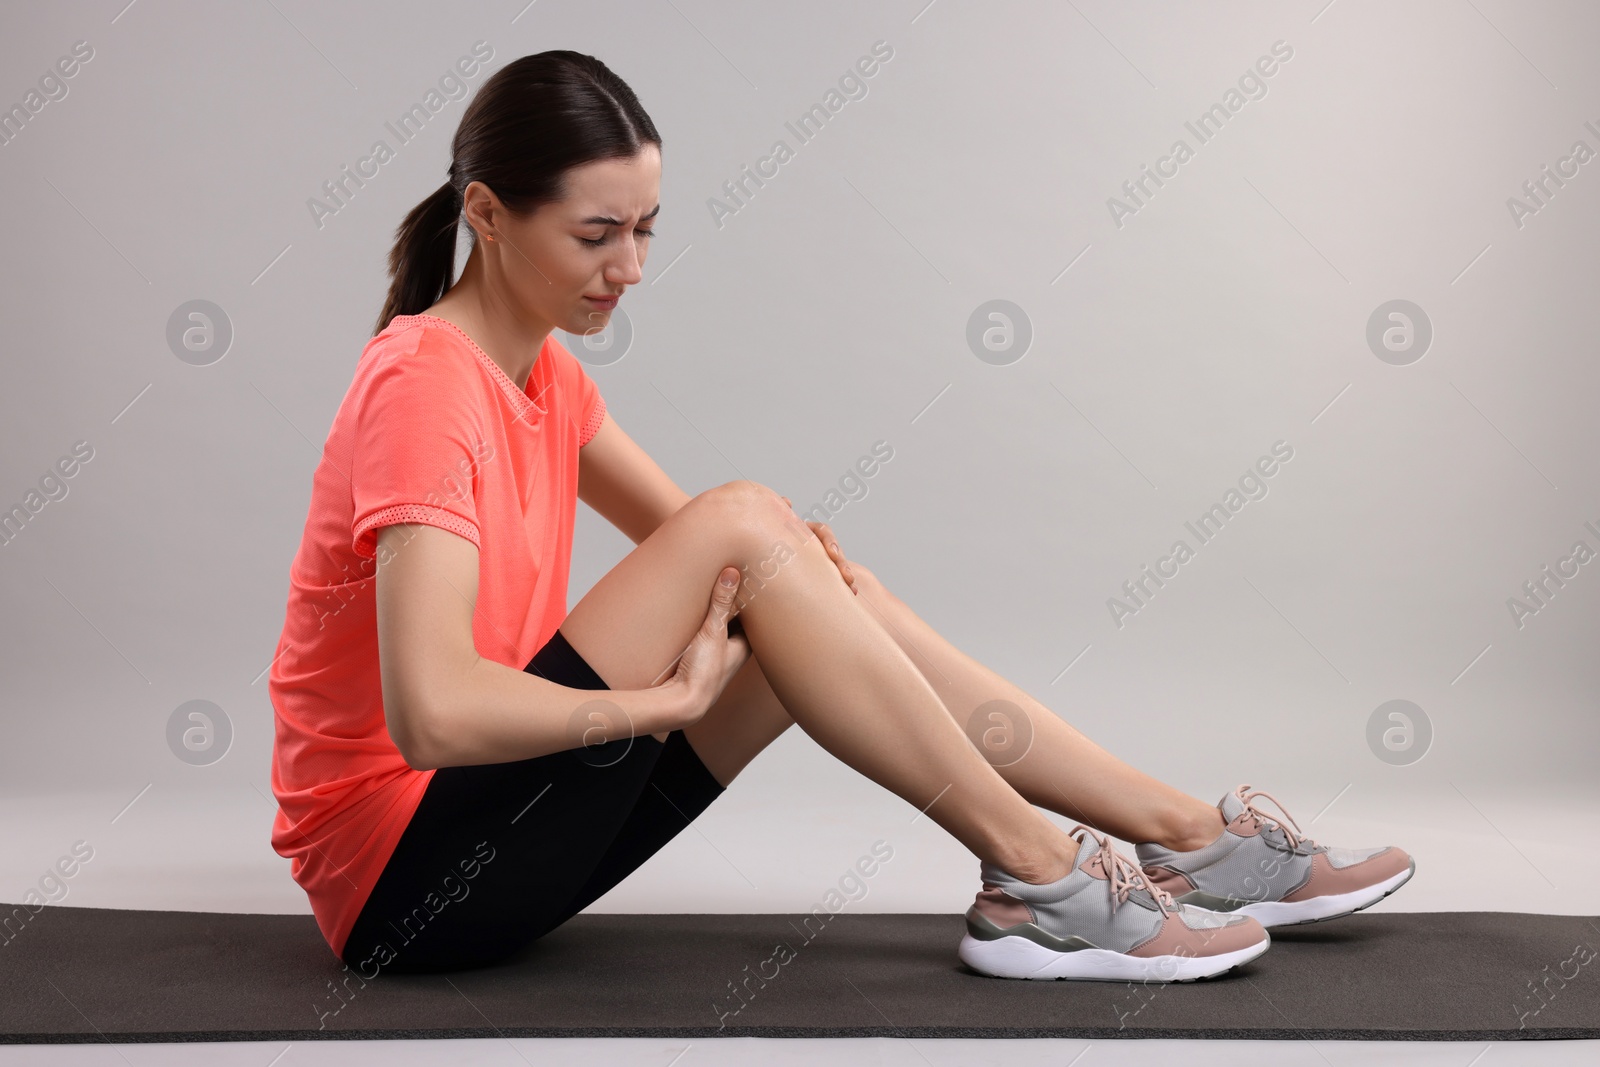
[831, 545]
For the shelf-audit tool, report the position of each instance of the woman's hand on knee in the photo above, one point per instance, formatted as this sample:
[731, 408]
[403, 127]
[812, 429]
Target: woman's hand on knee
[824, 533]
[713, 657]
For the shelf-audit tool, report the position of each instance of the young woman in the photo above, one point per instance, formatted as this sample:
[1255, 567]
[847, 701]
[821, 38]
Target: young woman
[451, 783]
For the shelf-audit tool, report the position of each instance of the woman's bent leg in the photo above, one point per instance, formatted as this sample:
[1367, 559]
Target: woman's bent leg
[498, 854]
[678, 790]
[833, 667]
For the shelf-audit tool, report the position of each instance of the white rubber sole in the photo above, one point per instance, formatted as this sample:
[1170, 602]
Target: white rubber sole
[1018, 957]
[1271, 913]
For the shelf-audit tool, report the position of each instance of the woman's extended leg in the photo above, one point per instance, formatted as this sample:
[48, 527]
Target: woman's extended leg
[839, 674]
[1061, 769]
[836, 671]
[1056, 767]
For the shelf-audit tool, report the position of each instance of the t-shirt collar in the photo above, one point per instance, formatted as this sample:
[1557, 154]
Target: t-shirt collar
[525, 405]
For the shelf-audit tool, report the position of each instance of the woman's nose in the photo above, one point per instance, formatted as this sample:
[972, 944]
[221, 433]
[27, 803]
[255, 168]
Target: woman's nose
[628, 268]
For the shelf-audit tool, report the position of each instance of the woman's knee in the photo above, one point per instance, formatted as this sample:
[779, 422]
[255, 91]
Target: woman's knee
[744, 494]
[748, 507]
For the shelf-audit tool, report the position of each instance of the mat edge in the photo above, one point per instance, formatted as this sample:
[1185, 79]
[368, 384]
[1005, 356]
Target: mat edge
[819, 1033]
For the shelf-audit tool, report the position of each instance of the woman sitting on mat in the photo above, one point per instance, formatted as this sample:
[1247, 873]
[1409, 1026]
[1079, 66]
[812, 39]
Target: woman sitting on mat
[461, 765]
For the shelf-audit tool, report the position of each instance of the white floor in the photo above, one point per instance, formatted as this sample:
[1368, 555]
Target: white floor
[888, 1052]
[207, 851]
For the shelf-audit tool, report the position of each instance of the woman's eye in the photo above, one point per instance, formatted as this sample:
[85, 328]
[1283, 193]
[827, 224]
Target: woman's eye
[597, 241]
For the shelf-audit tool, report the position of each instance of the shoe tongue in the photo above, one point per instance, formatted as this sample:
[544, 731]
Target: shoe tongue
[1094, 865]
[1230, 806]
[1090, 860]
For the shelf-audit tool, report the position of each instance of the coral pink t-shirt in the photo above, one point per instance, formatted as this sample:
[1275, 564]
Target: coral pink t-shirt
[430, 431]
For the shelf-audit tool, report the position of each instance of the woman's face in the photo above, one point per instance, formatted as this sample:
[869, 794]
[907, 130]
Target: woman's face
[590, 245]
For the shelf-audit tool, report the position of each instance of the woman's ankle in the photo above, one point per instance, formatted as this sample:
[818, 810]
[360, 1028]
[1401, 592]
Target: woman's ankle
[1043, 866]
[1192, 829]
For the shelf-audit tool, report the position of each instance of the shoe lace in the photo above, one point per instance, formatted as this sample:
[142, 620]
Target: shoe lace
[1124, 874]
[1295, 838]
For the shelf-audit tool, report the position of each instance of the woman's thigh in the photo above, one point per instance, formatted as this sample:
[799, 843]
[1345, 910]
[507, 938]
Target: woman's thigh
[496, 855]
[678, 790]
[635, 622]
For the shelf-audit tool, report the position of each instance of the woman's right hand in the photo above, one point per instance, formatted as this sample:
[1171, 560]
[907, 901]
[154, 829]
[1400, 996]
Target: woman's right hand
[713, 656]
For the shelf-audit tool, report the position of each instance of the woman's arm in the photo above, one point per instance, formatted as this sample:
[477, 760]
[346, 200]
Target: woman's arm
[443, 703]
[620, 481]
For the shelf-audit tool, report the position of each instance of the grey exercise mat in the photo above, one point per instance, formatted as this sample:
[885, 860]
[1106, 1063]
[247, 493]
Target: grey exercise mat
[89, 974]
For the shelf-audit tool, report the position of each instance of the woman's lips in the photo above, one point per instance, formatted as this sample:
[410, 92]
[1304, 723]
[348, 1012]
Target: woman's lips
[607, 302]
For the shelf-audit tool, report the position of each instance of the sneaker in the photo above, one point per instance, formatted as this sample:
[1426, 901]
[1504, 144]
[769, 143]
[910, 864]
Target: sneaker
[1103, 920]
[1265, 868]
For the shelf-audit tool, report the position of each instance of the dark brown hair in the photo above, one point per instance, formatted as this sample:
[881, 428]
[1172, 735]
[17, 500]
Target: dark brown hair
[532, 120]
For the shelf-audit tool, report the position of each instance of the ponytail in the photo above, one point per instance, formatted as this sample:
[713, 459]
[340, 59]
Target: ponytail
[422, 262]
[534, 119]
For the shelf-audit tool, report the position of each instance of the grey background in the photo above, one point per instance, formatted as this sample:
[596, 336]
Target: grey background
[828, 313]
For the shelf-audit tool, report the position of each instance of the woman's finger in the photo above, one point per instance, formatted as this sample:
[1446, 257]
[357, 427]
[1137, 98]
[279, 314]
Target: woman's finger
[831, 547]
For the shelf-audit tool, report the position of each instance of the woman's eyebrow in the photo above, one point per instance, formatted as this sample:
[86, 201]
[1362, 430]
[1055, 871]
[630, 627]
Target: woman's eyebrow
[606, 220]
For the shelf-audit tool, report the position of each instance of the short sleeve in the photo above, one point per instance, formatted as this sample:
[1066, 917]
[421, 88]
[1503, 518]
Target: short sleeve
[419, 444]
[597, 415]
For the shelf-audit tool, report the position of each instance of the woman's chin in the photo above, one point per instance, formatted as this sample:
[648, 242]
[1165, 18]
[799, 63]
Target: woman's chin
[592, 322]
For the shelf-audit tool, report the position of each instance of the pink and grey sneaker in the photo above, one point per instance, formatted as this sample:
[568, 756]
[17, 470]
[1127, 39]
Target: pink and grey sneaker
[1262, 868]
[1103, 920]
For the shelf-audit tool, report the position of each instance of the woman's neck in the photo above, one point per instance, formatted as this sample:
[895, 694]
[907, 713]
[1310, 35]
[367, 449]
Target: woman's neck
[511, 341]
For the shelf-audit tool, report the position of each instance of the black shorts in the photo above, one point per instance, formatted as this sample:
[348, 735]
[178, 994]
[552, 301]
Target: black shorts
[499, 854]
